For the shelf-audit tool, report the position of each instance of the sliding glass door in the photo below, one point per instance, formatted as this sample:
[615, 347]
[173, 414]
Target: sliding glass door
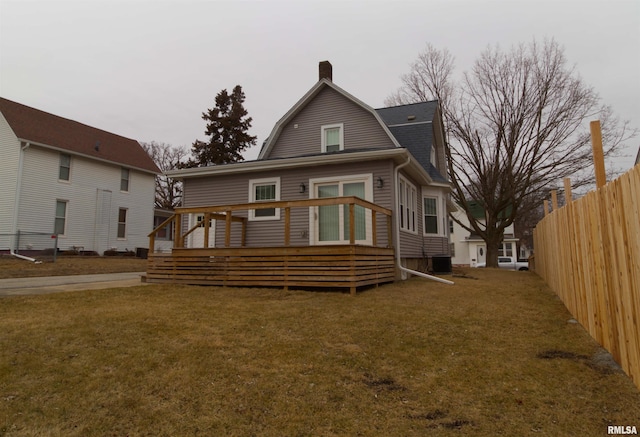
[332, 221]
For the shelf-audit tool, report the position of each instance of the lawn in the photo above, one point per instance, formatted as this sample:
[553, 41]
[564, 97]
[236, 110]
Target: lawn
[70, 265]
[494, 354]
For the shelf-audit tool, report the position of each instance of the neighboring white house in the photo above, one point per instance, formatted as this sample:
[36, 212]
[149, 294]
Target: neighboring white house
[92, 188]
[468, 249]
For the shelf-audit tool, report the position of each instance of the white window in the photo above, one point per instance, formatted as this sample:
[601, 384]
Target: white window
[264, 190]
[430, 215]
[60, 221]
[407, 203]
[122, 223]
[505, 249]
[332, 137]
[65, 167]
[124, 179]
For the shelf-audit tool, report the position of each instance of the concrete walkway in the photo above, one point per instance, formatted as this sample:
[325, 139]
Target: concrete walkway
[56, 284]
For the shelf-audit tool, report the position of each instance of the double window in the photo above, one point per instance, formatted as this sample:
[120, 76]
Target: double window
[264, 190]
[332, 137]
[407, 203]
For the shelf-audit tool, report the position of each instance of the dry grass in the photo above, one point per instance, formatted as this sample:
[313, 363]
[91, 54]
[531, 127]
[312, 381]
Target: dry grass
[485, 357]
[70, 265]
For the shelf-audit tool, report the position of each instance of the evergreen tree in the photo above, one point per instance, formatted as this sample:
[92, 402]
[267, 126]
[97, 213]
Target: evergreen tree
[227, 126]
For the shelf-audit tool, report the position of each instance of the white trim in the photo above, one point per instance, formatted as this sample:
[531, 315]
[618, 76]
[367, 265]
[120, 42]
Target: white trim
[66, 216]
[264, 181]
[323, 136]
[367, 178]
[442, 218]
[126, 224]
[65, 181]
[412, 217]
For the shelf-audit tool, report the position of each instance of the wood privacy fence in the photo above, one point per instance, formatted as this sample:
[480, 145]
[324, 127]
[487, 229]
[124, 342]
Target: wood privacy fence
[589, 254]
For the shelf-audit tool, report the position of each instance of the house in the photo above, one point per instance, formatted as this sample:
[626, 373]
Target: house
[467, 248]
[92, 188]
[335, 177]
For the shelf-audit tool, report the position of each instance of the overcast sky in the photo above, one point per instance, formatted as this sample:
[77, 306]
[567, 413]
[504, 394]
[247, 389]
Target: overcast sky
[148, 69]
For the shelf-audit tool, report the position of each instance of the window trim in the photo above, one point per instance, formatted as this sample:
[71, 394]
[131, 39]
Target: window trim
[126, 213]
[367, 178]
[408, 213]
[60, 167]
[440, 213]
[253, 183]
[122, 179]
[55, 217]
[323, 136]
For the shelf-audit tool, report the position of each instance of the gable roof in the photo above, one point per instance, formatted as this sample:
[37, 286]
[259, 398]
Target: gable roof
[412, 125]
[319, 86]
[51, 131]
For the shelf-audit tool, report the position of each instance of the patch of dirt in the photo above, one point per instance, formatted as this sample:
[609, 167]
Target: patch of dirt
[601, 361]
[386, 384]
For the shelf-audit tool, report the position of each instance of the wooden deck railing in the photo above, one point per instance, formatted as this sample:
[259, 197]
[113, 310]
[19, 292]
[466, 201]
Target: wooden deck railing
[343, 264]
[225, 213]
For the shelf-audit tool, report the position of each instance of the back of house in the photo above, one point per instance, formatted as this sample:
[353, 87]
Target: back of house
[331, 144]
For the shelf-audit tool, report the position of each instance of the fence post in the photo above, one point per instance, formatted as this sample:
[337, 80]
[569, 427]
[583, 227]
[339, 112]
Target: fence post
[598, 153]
[568, 198]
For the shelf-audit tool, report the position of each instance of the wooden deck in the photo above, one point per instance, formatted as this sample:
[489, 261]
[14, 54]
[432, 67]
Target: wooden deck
[344, 266]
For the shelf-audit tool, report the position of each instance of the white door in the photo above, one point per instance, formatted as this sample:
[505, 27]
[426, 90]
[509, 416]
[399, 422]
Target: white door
[482, 254]
[196, 238]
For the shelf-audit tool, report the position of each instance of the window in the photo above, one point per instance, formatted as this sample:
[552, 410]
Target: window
[332, 138]
[124, 179]
[505, 249]
[122, 223]
[430, 215]
[60, 221]
[451, 226]
[166, 233]
[408, 205]
[452, 249]
[65, 167]
[264, 190]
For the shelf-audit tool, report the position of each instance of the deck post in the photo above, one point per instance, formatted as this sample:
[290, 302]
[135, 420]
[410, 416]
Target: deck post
[374, 229]
[227, 230]
[287, 226]
[207, 220]
[243, 243]
[389, 235]
[352, 224]
[179, 241]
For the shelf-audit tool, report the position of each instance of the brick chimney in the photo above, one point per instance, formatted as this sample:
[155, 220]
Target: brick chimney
[325, 70]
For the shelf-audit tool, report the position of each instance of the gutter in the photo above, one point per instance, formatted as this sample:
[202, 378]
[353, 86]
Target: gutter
[398, 259]
[17, 204]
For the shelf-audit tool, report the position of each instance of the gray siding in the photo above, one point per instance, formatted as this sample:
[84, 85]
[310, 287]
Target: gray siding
[361, 129]
[419, 245]
[234, 189]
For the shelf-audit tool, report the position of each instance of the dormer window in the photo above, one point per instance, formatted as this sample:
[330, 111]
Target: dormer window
[433, 155]
[332, 138]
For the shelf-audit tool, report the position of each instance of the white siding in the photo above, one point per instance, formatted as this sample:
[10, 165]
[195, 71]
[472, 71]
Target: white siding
[89, 181]
[10, 150]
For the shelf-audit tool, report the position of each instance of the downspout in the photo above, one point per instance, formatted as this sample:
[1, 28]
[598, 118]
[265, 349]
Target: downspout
[396, 180]
[14, 229]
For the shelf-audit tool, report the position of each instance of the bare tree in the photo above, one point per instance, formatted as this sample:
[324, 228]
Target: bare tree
[166, 157]
[516, 125]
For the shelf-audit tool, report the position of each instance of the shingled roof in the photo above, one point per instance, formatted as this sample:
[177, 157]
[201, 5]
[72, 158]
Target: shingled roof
[412, 127]
[48, 130]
